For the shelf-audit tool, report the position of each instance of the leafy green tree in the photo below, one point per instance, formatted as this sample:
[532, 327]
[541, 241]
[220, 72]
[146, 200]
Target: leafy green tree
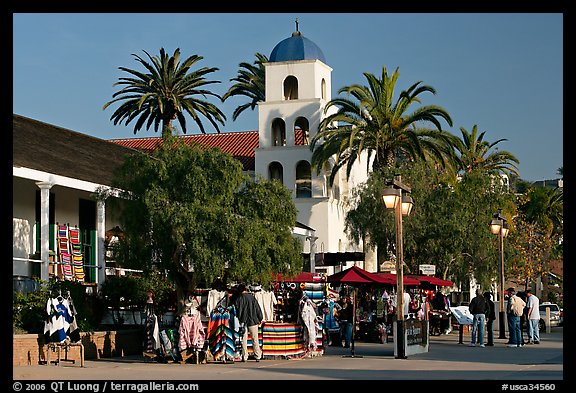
[250, 82]
[476, 154]
[370, 120]
[165, 92]
[448, 226]
[531, 251]
[191, 212]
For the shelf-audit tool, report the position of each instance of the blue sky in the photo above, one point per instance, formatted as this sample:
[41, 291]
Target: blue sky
[500, 71]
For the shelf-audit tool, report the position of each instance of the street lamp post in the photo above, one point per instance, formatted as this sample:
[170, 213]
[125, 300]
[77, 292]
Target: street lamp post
[499, 226]
[393, 198]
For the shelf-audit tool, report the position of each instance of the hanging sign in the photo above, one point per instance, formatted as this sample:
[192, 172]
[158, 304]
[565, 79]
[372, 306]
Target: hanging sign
[428, 270]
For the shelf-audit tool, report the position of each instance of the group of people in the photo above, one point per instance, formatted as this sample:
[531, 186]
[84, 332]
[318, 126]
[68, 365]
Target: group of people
[482, 309]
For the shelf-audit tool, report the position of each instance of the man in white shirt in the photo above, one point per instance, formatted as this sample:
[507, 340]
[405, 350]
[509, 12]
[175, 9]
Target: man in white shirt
[407, 300]
[533, 305]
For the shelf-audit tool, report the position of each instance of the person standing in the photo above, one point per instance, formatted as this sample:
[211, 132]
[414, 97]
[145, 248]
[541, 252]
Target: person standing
[407, 299]
[524, 317]
[345, 319]
[533, 306]
[250, 316]
[490, 318]
[514, 310]
[478, 308]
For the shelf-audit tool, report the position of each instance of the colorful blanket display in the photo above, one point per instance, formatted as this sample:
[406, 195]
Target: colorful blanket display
[70, 253]
[223, 337]
[286, 340]
[77, 257]
[65, 270]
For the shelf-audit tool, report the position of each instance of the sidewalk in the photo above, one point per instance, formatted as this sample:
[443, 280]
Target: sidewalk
[446, 360]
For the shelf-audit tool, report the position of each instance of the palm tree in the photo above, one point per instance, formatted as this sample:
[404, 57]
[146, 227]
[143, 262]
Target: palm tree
[475, 154]
[250, 82]
[165, 93]
[545, 207]
[383, 128]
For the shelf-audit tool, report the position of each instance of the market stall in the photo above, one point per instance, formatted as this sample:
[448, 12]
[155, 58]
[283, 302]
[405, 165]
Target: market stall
[356, 277]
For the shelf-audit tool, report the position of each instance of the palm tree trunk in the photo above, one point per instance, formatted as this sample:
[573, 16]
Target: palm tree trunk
[166, 128]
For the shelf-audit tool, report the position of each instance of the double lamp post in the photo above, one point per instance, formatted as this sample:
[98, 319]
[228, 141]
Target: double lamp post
[396, 196]
[499, 226]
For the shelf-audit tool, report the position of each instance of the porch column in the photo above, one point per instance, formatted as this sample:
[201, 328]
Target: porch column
[370, 257]
[100, 238]
[44, 227]
[312, 253]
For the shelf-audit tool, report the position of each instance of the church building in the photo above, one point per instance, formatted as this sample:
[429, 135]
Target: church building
[298, 86]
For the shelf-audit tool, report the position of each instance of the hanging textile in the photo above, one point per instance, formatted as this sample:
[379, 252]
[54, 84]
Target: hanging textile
[77, 257]
[167, 347]
[57, 322]
[191, 332]
[64, 253]
[73, 330]
[151, 335]
[214, 297]
[222, 333]
[267, 301]
[307, 318]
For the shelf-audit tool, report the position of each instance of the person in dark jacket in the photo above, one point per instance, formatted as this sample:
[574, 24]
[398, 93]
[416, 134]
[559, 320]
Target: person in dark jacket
[478, 308]
[250, 316]
[490, 317]
[346, 320]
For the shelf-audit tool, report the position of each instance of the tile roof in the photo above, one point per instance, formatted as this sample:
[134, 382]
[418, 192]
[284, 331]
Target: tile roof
[239, 144]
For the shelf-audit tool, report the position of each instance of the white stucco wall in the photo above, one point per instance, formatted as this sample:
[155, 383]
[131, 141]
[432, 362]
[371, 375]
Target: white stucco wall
[309, 74]
[66, 205]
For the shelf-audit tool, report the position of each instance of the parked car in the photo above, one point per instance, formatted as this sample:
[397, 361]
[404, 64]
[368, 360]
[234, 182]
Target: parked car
[554, 315]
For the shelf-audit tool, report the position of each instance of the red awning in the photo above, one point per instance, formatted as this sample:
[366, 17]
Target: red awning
[434, 281]
[355, 275]
[390, 278]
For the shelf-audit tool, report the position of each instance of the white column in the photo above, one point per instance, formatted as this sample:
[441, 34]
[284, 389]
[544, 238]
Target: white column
[44, 227]
[312, 253]
[100, 237]
[370, 256]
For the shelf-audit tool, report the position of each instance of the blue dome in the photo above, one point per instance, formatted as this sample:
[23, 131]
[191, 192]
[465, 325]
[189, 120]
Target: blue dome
[296, 47]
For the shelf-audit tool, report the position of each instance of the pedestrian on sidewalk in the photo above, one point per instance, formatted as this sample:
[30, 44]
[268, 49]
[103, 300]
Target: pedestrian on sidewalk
[345, 319]
[514, 310]
[250, 316]
[533, 306]
[524, 317]
[490, 318]
[478, 308]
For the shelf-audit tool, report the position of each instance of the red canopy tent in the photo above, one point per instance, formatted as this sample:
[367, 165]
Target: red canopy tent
[434, 281]
[390, 278]
[355, 275]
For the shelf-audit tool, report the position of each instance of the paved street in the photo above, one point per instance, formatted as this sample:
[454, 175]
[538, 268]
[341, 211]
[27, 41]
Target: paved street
[446, 360]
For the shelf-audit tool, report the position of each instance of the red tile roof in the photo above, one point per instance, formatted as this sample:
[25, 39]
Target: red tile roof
[240, 144]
